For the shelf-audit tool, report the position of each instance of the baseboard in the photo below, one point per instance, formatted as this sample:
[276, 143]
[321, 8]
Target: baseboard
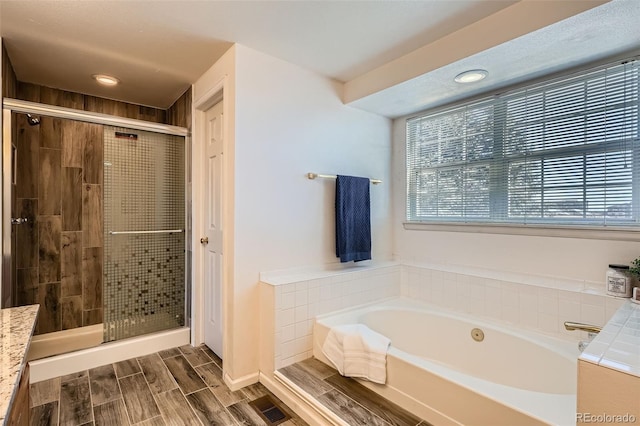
[107, 353]
[325, 415]
[239, 383]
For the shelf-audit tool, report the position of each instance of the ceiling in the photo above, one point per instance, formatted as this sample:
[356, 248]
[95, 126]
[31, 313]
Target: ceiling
[157, 48]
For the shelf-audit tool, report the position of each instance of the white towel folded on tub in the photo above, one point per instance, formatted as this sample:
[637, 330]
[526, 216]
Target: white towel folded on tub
[357, 351]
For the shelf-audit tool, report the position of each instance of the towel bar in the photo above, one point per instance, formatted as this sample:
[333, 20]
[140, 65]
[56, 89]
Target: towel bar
[316, 175]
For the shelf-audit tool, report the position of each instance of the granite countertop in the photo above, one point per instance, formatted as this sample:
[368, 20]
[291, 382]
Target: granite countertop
[617, 346]
[16, 328]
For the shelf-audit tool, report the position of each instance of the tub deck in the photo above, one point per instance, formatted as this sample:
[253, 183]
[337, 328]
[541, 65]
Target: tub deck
[349, 400]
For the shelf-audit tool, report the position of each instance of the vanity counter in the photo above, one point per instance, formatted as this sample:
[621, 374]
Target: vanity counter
[16, 328]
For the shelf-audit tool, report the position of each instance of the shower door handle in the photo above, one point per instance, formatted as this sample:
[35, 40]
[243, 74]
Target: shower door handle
[204, 240]
[19, 220]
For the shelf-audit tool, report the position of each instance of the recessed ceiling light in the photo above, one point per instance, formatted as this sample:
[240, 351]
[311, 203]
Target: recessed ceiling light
[106, 80]
[470, 76]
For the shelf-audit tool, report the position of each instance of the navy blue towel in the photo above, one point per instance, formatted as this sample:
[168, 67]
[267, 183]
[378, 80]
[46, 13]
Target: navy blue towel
[353, 219]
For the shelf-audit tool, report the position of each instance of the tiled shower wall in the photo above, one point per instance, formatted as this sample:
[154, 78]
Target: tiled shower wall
[58, 188]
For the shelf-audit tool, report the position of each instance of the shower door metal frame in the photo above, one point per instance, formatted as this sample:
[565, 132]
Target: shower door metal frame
[19, 106]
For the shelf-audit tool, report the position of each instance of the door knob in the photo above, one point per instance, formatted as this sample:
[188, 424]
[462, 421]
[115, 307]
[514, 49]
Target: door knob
[204, 240]
[19, 220]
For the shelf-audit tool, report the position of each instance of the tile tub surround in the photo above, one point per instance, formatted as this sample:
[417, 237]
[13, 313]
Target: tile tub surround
[291, 301]
[17, 326]
[537, 303]
[617, 346]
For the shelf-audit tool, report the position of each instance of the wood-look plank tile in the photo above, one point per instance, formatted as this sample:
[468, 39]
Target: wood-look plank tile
[27, 161]
[111, 413]
[92, 278]
[127, 367]
[27, 286]
[28, 92]
[169, 353]
[212, 375]
[71, 263]
[186, 377]
[93, 153]
[72, 143]
[209, 409]
[156, 421]
[317, 368]
[195, 356]
[43, 392]
[175, 408]
[157, 373]
[349, 410]
[373, 402]
[71, 199]
[71, 100]
[245, 415]
[212, 355]
[27, 233]
[92, 215]
[44, 415]
[74, 376]
[50, 313]
[132, 111]
[138, 398]
[49, 239]
[71, 312]
[295, 421]
[104, 385]
[254, 391]
[75, 402]
[93, 104]
[50, 132]
[91, 317]
[306, 381]
[50, 182]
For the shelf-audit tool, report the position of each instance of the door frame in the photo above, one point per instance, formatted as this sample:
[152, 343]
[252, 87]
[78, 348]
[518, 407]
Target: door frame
[200, 106]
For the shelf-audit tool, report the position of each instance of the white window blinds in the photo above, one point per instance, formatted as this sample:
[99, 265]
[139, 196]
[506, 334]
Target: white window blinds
[559, 152]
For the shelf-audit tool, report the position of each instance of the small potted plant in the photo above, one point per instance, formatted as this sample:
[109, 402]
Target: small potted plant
[634, 271]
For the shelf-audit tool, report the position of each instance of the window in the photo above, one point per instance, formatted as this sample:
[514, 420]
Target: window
[561, 152]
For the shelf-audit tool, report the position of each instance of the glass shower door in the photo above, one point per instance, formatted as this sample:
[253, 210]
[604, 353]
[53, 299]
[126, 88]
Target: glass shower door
[144, 232]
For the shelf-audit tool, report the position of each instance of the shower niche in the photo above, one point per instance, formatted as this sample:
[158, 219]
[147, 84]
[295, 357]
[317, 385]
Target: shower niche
[95, 229]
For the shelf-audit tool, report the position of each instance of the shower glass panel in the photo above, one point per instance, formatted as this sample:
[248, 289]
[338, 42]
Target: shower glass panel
[144, 232]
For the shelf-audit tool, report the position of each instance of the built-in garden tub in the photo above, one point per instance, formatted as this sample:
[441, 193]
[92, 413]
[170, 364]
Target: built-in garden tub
[451, 368]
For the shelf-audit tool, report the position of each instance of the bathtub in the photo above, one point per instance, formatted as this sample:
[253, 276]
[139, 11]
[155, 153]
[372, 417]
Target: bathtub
[437, 370]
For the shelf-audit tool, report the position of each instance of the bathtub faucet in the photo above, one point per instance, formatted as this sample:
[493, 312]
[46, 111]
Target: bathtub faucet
[580, 326]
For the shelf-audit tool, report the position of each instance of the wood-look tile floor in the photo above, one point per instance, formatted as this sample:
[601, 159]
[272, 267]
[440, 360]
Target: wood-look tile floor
[348, 399]
[180, 386]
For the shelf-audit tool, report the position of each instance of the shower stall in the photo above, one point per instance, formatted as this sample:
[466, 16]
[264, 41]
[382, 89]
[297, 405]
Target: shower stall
[95, 231]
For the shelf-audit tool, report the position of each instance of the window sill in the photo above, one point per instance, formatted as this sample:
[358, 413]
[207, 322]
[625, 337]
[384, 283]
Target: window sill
[612, 233]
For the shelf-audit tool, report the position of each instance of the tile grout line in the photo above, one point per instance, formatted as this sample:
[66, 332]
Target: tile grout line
[144, 376]
[91, 397]
[126, 410]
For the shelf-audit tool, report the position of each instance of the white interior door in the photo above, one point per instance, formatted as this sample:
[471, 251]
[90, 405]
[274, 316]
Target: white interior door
[212, 241]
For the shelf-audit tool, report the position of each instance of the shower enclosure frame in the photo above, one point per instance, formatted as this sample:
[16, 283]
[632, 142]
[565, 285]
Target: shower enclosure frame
[19, 106]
